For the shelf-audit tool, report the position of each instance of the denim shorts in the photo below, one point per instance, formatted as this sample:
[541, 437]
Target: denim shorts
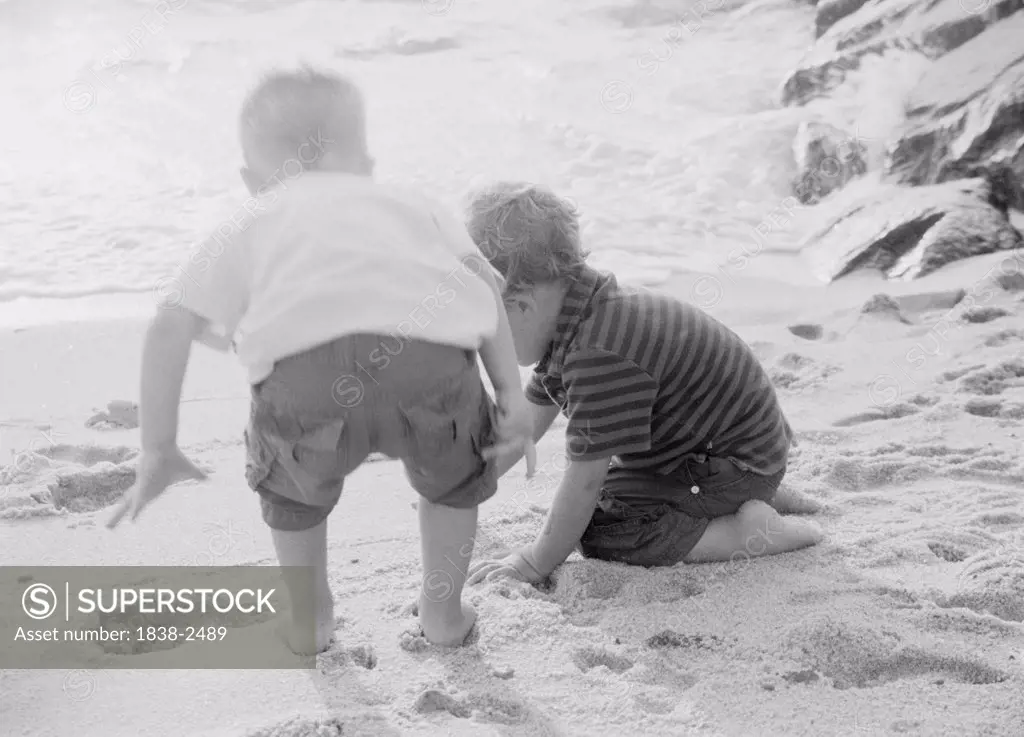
[320, 413]
[648, 519]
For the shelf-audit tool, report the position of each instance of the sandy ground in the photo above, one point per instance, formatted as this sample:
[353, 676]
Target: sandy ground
[906, 619]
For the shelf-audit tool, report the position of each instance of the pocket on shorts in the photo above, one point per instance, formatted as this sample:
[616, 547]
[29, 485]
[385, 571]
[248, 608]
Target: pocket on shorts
[259, 458]
[433, 420]
[319, 454]
[723, 474]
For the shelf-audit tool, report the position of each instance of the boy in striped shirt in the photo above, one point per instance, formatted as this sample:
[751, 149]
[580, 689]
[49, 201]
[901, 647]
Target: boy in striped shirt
[676, 440]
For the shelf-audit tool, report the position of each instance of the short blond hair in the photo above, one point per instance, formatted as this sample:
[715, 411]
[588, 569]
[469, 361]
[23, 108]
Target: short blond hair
[300, 115]
[528, 233]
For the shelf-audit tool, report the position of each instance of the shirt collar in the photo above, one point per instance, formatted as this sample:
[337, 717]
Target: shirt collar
[575, 307]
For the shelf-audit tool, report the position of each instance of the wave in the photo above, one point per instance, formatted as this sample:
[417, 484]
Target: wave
[58, 291]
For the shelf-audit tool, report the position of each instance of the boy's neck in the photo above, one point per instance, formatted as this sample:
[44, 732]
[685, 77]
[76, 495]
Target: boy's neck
[551, 300]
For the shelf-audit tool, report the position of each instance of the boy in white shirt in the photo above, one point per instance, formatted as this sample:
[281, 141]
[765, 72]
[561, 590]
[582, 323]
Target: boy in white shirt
[358, 310]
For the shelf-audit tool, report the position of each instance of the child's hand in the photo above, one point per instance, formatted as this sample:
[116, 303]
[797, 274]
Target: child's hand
[516, 565]
[515, 430]
[157, 470]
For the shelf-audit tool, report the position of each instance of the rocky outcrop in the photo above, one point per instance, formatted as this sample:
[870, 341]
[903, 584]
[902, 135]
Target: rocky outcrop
[826, 160]
[907, 232]
[929, 27]
[965, 118]
[832, 11]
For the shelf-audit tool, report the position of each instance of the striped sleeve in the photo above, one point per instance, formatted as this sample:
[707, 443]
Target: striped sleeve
[610, 401]
[536, 393]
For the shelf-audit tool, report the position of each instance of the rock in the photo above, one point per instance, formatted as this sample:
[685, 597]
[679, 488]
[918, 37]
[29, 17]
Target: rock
[807, 331]
[831, 11]
[827, 159]
[1009, 274]
[961, 233]
[926, 301]
[879, 27]
[965, 117]
[908, 232]
[120, 415]
[884, 306]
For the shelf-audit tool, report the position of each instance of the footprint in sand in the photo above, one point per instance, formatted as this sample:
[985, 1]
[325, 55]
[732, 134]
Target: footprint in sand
[484, 706]
[892, 412]
[959, 373]
[994, 408]
[92, 488]
[861, 657]
[586, 658]
[992, 582]
[982, 314]
[412, 640]
[669, 639]
[66, 478]
[983, 407]
[948, 552]
[300, 727]
[994, 379]
[334, 659]
[1003, 337]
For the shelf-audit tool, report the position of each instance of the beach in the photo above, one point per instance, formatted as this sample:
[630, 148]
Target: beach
[663, 125]
[906, 619]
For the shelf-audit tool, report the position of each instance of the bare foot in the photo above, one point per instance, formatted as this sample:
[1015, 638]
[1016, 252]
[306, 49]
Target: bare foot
[756, 529]
[774, 533]
[790, 501]
[301, 641]
[446, 628]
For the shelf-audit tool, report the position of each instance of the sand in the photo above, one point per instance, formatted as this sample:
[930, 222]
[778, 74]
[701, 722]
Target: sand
[908, 618]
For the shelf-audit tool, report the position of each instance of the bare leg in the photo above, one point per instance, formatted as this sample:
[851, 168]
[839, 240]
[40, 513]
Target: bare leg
[311, 627]
[446, 537]
[756, 529]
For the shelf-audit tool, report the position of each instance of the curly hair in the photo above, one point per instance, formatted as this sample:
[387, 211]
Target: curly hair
[527, 232]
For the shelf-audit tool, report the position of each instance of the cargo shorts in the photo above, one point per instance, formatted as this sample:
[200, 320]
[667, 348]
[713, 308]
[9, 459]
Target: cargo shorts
[320, 413]
[649, 519]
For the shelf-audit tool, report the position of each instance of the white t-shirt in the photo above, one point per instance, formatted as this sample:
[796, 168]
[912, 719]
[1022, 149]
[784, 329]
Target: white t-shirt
[327, 255]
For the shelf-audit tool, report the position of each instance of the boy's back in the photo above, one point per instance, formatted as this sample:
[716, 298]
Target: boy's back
[651, 379]
[331, 254]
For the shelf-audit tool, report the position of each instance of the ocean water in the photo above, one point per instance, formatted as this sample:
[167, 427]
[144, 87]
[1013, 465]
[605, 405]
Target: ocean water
[659, 120]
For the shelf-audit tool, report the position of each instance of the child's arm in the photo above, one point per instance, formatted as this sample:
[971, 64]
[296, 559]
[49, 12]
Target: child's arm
[214, 292]
[543, 416]
[498, 352]
[165, 355]
[516, 423]
[570, 514]
[597, 431]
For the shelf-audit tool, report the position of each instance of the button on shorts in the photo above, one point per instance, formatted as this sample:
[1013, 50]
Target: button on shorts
[649, 519]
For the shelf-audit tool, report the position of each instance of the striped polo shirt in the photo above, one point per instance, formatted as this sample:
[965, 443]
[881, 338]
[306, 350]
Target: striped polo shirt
[649, 380]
